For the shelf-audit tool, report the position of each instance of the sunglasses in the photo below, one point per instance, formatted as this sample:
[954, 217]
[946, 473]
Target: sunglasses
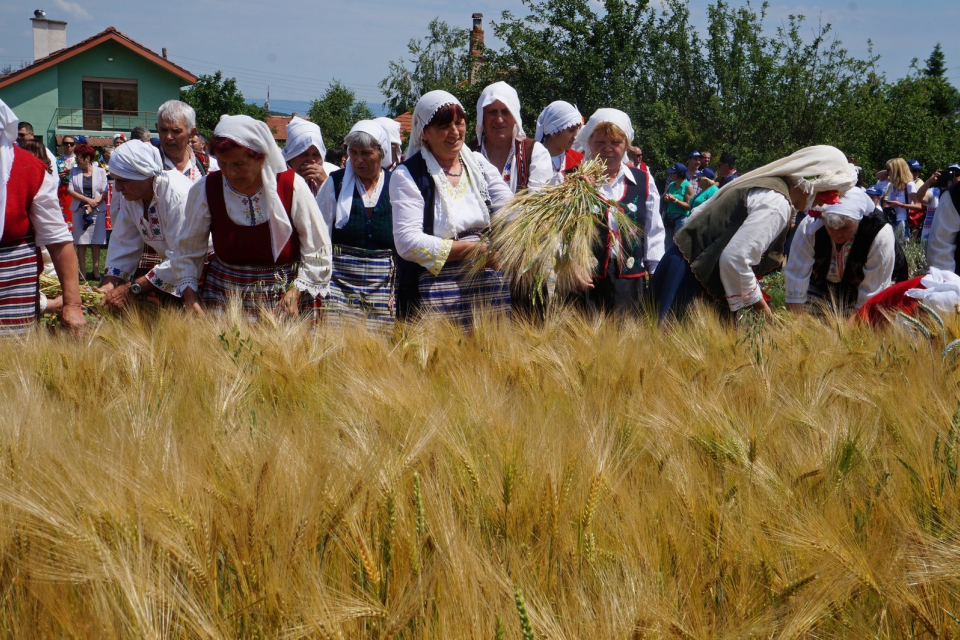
[69, 144]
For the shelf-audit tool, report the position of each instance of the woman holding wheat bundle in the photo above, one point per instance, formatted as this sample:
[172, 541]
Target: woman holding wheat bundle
[443, 197]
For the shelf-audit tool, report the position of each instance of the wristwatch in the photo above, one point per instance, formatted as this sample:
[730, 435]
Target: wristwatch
[136, 289]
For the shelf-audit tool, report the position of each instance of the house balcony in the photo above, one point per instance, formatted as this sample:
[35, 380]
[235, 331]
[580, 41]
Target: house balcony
[78, 119]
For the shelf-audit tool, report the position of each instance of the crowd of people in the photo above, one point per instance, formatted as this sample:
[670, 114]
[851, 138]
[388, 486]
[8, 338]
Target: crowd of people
[369, 230]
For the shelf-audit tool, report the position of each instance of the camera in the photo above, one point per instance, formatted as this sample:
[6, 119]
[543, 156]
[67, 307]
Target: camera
[947, 177]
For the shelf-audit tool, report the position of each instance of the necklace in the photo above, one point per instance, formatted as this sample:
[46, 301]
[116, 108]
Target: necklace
[454, 175]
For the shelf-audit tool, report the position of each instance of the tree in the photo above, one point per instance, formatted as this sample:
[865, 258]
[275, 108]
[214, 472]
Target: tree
[441, 61]
[213, 96]
[936, 63]
[336, 112]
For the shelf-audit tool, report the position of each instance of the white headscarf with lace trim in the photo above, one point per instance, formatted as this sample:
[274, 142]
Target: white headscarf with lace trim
[350, 181]
[556, 117]
[615, 116]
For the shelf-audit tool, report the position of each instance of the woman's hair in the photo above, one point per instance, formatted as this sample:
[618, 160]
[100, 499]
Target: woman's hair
[609, 130]
[898, 173]
[446, 114]
[837, 221]
[226, 145]
[84, 151]
[37, 149]
[363, 140]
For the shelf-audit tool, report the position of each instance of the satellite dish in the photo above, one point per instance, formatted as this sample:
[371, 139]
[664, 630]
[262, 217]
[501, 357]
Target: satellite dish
[40, 13]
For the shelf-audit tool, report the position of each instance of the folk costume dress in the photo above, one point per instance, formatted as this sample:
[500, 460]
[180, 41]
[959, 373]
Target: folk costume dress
[31, 217]
[156, 227]
[848, 275]
[92, 230]
[363, 283]
[556, 117]
[429, 214]
[264, 243]
[740, 233]
[622, 263]
[529, 164]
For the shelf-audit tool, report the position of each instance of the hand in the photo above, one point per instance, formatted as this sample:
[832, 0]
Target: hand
[117, 297]
[191, 302]
[584, 281]
[72, 318]
[290, 305]
[932, 180]
[109, 283]
[313, 174]
[761, 305]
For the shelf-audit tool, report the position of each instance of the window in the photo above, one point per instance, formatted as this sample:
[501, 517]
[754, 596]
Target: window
[106, 100]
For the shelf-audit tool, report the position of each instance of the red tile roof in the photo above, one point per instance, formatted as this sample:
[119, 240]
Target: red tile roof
[278, 125]
[406, 123]
[110, 33]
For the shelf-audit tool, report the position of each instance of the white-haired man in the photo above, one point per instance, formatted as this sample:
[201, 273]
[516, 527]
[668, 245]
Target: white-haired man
[176, 124]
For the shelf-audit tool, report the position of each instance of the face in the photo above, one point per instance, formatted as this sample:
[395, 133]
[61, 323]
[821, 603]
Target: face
[134, 190]
[68, 145]
[106, 155]
[498, 123]
[174, 136]
[704, 183]
[842, 235]
[445, 142]
[636, 157]
[397, 152]
[84, 162]
[240, 170]
[305, 159]
[365, 161]
[693, 164]
[678, 177]
[118, 141]
[705, 158]
[724, 168]
[565, 137]
[24, 135]
[196, 144]
[610, 150]
[800, 200]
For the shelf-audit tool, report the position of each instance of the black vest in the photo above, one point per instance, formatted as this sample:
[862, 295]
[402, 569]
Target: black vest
[632, 252]
[361, 231]
[847, 289]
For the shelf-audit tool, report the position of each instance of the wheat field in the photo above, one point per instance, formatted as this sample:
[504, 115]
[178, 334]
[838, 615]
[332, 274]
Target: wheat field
[168, 477]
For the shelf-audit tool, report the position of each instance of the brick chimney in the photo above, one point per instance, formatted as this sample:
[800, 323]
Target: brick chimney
[476, 47]
[48, 35]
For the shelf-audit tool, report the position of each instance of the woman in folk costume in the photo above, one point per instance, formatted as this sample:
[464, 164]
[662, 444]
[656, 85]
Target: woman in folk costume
[151, 212]
[31, 217]
[845, 255]
[523, 163]
[557, 129]
[739, 234]
[443, 197]
[392, 127]
[88, 188]
[305, 151]
[272, 248]
[619, 282]
[355, 204]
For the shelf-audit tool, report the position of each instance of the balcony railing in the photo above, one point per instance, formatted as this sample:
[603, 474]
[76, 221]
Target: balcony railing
[104, 120]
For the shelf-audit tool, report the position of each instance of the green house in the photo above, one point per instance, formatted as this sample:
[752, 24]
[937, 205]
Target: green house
[101, 86]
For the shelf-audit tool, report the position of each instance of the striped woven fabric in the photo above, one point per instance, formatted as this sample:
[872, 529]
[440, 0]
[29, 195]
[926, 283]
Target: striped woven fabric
[362, 287]
[457, 295]
[148, 260]
[258, 289]
[19, 287]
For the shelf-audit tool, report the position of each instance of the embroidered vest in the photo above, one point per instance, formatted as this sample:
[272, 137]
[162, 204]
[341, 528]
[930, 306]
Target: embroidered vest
[847, 288]
[372, 233]
[631, 252]
[707, 233]
[26, 178]
[249, 245]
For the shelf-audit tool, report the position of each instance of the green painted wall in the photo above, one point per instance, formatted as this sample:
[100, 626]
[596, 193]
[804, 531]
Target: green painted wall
[34, 100]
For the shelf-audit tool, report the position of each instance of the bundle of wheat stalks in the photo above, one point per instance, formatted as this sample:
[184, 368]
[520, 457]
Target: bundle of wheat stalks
[89, 296]
[554, 230]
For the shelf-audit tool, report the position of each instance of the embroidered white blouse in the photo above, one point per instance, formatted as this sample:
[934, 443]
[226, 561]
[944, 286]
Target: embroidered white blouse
[768, 214]
[541, 167]
[190, 248]
[158, 227]
[653, 231]
[191, 172]
[431, 251]
[46, 216]
[877, 272]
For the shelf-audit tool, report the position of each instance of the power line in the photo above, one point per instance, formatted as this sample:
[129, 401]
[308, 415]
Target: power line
[277, 75]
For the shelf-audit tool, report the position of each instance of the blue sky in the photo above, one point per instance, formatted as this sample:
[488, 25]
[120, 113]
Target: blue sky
[298, 46]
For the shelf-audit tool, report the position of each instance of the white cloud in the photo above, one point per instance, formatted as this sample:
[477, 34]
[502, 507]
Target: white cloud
[73, 8]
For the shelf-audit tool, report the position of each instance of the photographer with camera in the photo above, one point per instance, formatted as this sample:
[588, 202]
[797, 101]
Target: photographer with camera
[928, 195]
[945, 221]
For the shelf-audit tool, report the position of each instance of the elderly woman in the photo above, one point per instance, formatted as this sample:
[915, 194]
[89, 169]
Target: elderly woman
[150, 214]
[845, 256]
[272, 248]
[88, 190]
[355, 204]
[739, 235]
[443, 197]
[304, 153]
[523, 163]
[623, 264]
[557, 128]
[707, 183]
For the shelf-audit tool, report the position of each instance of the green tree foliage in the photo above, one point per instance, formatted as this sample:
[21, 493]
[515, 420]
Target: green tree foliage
[214, 96]
[336, 112]
[440, 61]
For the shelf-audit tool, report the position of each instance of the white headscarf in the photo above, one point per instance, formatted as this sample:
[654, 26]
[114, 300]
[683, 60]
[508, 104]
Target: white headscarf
[556, 117]
[8, 137]
[136, 160]
[615, 116]
[427, 107]
[349, 186]
[816, 169]
[392, 127]
[256, 135]
[854, 204]
[507, 95]
[301, 135]
[942, 291]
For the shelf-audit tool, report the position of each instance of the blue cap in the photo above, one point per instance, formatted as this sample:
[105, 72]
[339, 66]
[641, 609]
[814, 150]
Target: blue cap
[679, 168]
[873, 191]
[155, 142]
[693, 154]
[914, 165]
[708, 173]
[954, 166]
[81, 139]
